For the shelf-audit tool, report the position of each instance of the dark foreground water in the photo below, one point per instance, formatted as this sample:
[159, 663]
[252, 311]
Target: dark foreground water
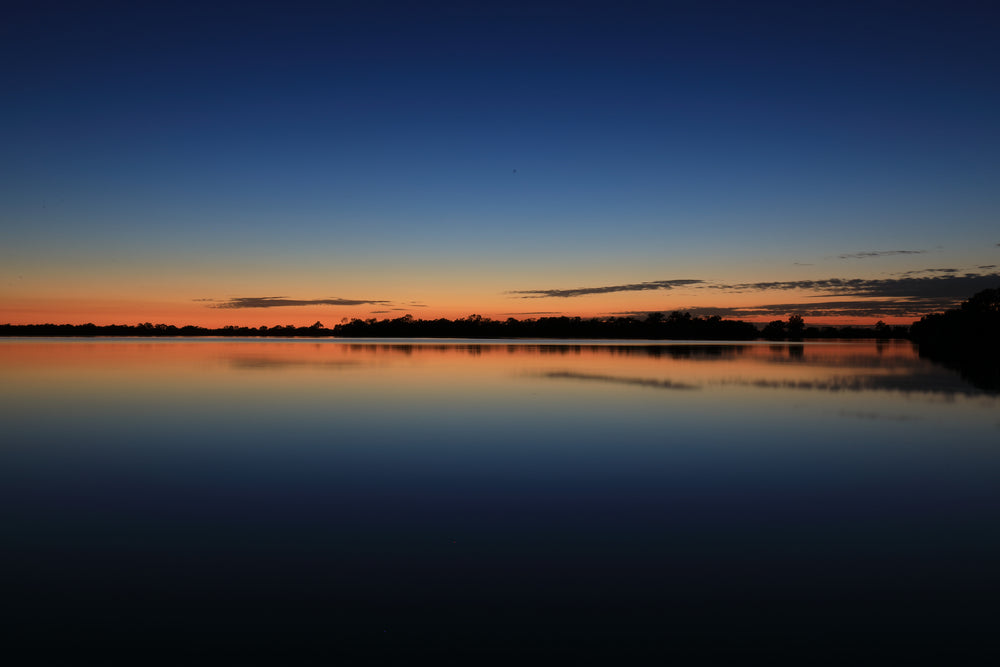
[191, 500]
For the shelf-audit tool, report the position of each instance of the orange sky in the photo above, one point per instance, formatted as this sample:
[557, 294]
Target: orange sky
[500, 306]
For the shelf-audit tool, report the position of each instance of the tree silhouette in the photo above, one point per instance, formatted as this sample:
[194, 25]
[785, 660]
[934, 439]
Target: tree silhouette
[796, 327]
[775, 330]
[973, 327]
[965, 339]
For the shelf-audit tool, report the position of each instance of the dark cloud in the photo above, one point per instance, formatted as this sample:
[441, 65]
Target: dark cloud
[910, 295]
[939, 287]
[912, 307]
[987, 266]
[877, 298]
[605, 289]
[278, 301]
[947, 288]
[919, 271]
[880, 253]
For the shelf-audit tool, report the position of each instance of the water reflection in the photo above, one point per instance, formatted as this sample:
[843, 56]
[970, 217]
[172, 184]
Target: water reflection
[981, 369]
[640, 382]
[321, 494]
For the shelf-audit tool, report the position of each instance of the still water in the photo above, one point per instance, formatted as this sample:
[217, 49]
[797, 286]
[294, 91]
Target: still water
[832, 500]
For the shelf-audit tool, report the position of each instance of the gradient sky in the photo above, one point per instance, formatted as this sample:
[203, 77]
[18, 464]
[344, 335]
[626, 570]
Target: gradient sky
[282, 163]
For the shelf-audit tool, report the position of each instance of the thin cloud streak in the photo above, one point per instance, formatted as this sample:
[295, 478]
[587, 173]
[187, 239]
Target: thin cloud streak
[879, 253]
[535, 312]
[281, 301]
[605, 289]
[919, 271]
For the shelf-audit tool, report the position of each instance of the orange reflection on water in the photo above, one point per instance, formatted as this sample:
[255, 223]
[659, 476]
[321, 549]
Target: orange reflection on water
[702, 364]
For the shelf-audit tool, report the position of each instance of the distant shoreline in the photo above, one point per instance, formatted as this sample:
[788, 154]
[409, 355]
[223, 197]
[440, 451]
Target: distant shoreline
[676, 326]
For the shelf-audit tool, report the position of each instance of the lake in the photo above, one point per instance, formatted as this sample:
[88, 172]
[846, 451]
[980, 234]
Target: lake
[829, 501]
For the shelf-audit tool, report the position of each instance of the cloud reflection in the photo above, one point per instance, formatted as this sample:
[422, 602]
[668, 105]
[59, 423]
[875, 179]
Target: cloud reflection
[614, 379]
[876, 416]
[275, 363]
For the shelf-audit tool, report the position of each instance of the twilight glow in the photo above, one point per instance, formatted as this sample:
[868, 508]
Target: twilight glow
[259, 164]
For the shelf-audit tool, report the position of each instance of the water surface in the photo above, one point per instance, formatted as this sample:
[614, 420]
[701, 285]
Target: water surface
[832, 499]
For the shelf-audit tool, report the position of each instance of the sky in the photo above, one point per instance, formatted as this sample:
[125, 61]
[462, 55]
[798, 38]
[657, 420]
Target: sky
[257, 163]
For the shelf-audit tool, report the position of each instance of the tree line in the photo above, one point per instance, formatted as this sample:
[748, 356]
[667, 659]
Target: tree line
[655, 326]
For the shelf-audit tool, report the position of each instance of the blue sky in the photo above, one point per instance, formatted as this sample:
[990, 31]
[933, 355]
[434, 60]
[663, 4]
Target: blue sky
[162, 158]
